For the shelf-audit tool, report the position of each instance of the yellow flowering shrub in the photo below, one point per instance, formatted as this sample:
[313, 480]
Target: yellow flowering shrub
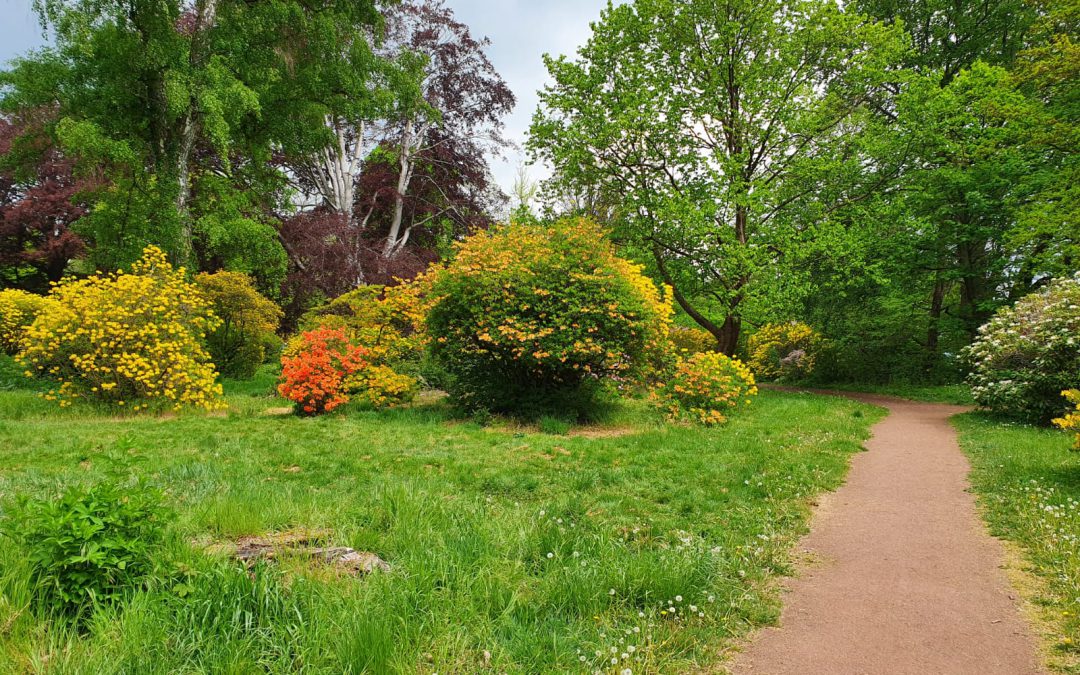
[1071, 421]
[387, 322]
[381, 386]
[706, 387]
[18, 309]
[239, 344]
[783, 351]
[130, 339]
[691, 340]
[527, 318]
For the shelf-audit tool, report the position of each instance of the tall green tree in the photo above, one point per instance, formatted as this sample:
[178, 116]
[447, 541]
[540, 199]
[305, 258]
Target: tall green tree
[961, 126]
[182, 105]
[1047, 229]
[730, 131]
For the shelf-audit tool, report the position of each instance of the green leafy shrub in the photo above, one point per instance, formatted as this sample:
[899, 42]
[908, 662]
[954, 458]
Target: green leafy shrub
[1029, 353]
[530, 319]
[239, 345]
[88, 546]
[706, 387]
[18, 309]
[783, 351]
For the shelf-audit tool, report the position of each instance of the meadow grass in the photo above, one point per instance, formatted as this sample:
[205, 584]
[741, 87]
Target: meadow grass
[957, 394]
[512, 550]
[1028, 483]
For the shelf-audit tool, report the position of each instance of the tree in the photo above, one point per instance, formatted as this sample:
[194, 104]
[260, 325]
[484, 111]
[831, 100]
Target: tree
[715, 124]
[1046, 231]
[39, 203]
[948, 36]
[456, 119]
[961, 184]
[165, 93]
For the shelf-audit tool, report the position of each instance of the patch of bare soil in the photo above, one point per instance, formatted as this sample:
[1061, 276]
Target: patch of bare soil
[304, 545]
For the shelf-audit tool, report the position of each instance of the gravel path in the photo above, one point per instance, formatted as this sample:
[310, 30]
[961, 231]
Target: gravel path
[905, 577]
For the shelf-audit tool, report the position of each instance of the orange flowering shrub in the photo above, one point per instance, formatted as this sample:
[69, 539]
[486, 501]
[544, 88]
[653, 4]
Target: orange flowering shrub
[131, 339]
[387, 322]
[784, 351]
[316, 367]
[706, 386]
[18, 309]
[529, 317]
[1071, 421]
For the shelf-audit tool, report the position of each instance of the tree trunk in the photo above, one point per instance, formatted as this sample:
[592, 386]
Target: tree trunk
[726, 335]
[205, 13]
[728, 341]
[974, 287]
[933, 331]
[404, 177]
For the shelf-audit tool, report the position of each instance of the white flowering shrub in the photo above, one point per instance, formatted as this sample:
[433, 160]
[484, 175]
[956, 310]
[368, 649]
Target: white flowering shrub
[1029, 353]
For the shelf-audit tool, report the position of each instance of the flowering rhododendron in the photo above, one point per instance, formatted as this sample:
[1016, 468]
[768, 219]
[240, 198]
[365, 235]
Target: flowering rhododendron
[131, 339]
[1026, 355]
[386, 321]
[315, 368]
[526, 317]
[18, 309]
[704, 387]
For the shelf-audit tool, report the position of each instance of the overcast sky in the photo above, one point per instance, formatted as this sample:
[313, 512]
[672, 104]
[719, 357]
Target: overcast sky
[521, 31]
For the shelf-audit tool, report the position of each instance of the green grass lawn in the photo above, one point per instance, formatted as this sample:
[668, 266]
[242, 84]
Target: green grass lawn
[1028, 483]
[958, 394]
[511, 550]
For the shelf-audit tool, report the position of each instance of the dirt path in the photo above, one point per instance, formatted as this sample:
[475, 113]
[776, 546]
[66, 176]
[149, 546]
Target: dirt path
[904, 578]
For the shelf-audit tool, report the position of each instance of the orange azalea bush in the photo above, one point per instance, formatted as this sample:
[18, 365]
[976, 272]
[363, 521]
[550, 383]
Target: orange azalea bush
[131, 339]
[705, 387]
[387, 322]
[529, 318]
[316, 367]
[18, 309]
[1071, 421]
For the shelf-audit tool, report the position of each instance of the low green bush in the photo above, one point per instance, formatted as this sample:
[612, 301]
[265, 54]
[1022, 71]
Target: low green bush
[88, 546]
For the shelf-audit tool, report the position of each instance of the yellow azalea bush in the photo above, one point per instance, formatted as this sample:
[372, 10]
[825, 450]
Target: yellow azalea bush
[387, 321]
[783, 351]
[18, 309]
[130, 339]
[381, 386]
[239, 345]
[705, 388]
[691, 340]
[1071, 421]
[529, 318]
